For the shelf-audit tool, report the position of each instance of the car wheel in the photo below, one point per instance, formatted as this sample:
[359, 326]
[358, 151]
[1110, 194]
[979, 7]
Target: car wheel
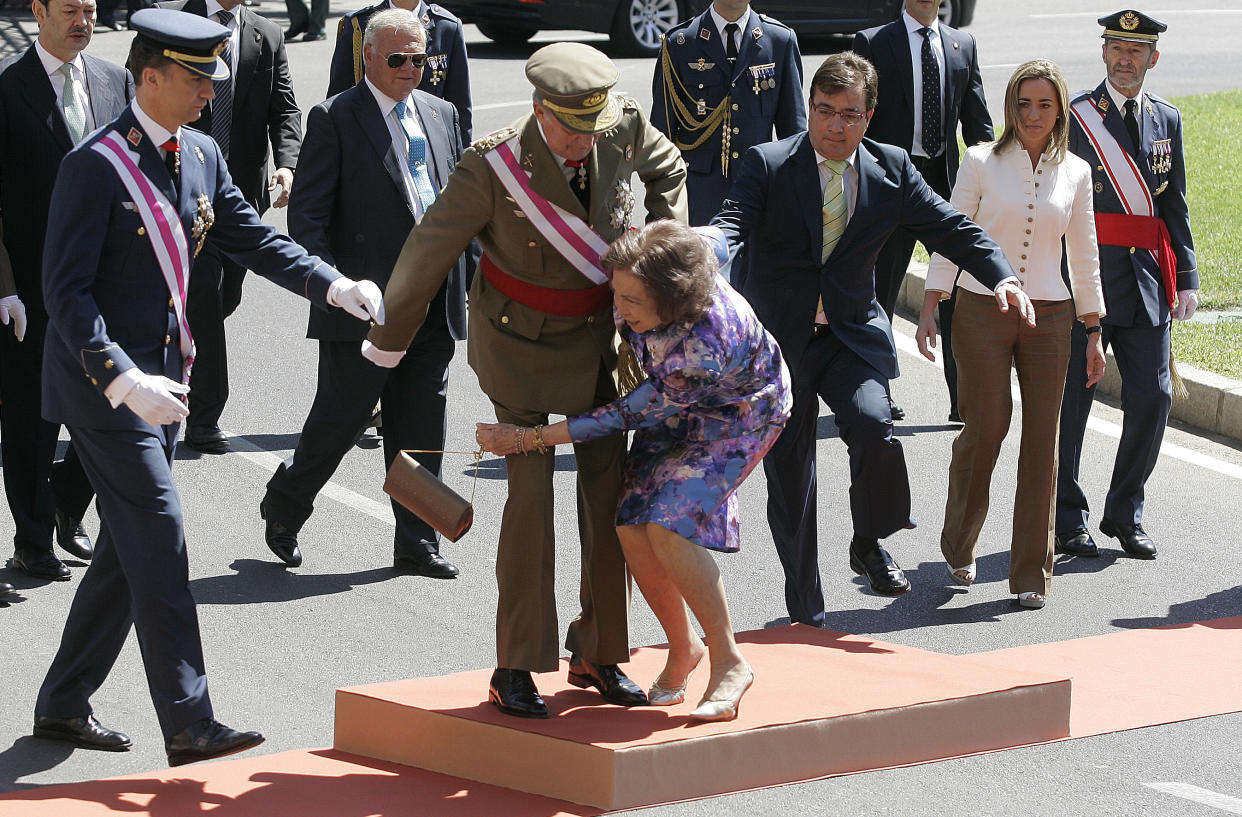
[510, 35]
[957, 13]
[639, 24]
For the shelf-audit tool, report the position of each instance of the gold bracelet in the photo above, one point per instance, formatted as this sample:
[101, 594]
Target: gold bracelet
[519, 439]
[539, 443]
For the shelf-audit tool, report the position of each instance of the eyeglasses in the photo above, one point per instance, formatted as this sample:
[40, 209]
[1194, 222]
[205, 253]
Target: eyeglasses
[850, 119]
[398, 60]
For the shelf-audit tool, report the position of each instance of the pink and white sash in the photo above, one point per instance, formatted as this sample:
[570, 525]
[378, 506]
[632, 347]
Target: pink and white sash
[569, 234]
[164, 230]
[1125, 175]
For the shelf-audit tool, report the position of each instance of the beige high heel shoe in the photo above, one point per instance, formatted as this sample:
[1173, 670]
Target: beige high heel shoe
[725, 709]
[660, 695]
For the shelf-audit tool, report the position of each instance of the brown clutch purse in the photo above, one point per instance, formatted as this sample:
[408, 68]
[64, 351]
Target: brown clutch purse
[418, 490]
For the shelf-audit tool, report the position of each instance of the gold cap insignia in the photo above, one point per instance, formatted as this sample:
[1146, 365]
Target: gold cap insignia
[1129, 21]
[594, 99]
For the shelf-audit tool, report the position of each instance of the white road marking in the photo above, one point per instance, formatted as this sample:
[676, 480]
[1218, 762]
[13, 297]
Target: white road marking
[268, 462]
[491, 106]
[1207, 797]
[907, 344]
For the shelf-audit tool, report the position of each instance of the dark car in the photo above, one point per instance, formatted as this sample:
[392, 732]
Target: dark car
[636, 26]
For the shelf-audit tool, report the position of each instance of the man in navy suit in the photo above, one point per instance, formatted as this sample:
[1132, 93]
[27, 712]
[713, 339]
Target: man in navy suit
[447, 74]
[358, 194]
[118, 355]
[725, 79]
[43, 114]
[929, 82]
[1146, 283]
[812, 212]
[254, 111]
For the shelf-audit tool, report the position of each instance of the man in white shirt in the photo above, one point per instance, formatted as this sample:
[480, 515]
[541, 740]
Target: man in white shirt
[376, 157]
[51, 97]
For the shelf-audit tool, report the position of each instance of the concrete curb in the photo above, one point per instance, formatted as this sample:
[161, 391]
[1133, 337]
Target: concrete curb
[1214, 404]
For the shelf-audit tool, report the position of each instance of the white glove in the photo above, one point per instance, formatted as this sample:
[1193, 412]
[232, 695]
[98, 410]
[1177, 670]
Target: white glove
[13, 306]
[154, 399]
[362, 299]
[1187, 303]
[379, 357]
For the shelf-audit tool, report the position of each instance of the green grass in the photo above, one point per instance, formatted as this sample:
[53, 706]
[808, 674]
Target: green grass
[1216, 347]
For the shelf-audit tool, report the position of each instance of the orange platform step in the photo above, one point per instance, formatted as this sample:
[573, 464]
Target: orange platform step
[823, 703]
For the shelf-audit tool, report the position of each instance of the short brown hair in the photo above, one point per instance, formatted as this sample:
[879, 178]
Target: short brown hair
[845, 72]
[673, 262]
[145, 55]
[1058, 139]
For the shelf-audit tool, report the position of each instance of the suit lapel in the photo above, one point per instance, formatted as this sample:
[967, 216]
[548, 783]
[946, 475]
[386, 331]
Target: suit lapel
[248, 47]
[546, 177]
[899, 43]
[37, 88]
[954, 73]
[367, 112]
[746, 53]
[806, 188]
[712, 44]
[105, 104]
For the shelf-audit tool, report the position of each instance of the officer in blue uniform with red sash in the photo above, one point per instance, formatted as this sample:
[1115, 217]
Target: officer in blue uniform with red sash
[447, 74]
[131, 208]
[1133, 141]
[724, 80]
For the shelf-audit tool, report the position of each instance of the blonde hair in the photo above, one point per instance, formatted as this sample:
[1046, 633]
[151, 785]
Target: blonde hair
[1058, 140]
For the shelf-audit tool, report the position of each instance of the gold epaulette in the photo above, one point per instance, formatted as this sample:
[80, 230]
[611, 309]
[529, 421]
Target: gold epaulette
[490, 141]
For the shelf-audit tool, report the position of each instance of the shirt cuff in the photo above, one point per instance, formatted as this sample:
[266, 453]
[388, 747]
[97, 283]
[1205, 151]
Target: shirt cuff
[1012, 279]
[121, 386]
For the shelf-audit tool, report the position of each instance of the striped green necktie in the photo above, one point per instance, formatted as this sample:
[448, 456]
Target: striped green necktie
[75, 111]
[835, 211]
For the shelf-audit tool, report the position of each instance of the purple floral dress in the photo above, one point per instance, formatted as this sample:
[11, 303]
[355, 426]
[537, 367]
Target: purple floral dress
[715, 399]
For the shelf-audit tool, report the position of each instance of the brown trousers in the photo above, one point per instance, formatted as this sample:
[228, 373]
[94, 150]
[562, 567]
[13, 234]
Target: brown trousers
[526, 623]
[987, 343]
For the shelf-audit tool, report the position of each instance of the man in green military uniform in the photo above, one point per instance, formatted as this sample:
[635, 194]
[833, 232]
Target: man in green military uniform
[542, 341]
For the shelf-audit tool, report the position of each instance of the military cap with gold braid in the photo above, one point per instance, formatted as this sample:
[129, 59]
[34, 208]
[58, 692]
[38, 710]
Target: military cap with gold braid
[190, 41]
[1132, 26]
[573, 80]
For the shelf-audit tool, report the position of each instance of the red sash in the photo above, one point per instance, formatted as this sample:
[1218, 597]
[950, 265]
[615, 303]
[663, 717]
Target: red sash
[1146, 232]
[567, 303]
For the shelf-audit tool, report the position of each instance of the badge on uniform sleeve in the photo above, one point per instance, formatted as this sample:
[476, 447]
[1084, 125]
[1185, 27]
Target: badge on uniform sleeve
[756, 32]
[134, 136]
[1103, 105]
[705, 33]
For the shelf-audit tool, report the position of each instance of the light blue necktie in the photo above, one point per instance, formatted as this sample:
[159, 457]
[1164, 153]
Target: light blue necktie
[417, 159]
[75, 111]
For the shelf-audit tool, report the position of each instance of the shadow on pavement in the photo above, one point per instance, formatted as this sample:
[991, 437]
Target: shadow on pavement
[259, 581]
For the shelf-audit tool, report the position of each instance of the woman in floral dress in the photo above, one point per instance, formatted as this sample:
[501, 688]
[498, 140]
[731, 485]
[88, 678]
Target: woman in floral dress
[715, 398]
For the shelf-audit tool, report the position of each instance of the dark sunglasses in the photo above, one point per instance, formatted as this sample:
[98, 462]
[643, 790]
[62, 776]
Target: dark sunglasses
[398, 60]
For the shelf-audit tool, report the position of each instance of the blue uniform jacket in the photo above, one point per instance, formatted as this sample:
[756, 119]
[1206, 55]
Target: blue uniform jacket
[108, 304]
[446, 76]
[766, 89]
[1131, 279]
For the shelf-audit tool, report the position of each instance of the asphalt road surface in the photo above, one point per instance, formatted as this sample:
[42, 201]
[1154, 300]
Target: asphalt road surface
[278, 642]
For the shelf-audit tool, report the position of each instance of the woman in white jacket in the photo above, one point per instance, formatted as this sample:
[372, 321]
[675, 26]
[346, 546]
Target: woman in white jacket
[1028, 192]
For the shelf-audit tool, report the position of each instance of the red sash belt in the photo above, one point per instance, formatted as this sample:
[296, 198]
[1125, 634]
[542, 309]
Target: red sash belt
[1147, 232]
[568, 303]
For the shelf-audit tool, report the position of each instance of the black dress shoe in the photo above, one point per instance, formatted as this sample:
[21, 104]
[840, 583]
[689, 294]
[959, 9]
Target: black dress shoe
[430, 564]
[868, 559]
[1134, 540]
[513, 692]
[207, 439]
[954, 416]
[207, 739]
[85, 733]
[7, 590]
[293, 31]
[71, 536]
[41, 565]
[281, 540]
[611, 682]
[311, 36]
[1077, 542]
[897, 412]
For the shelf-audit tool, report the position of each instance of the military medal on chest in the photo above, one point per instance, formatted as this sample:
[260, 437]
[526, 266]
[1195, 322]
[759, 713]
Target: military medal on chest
[438, 63]
[763, 77]
[203, 219]
[1161, 156]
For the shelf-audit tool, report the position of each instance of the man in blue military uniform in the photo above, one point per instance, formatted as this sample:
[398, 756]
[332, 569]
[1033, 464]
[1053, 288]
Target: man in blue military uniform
[1133, 141]
[725, 79]
[446, 76]
[117, 359]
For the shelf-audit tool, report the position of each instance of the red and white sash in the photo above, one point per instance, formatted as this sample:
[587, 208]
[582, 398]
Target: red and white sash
[569, 234]
[1139, 227]
[164, 230]
[1125, 175]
